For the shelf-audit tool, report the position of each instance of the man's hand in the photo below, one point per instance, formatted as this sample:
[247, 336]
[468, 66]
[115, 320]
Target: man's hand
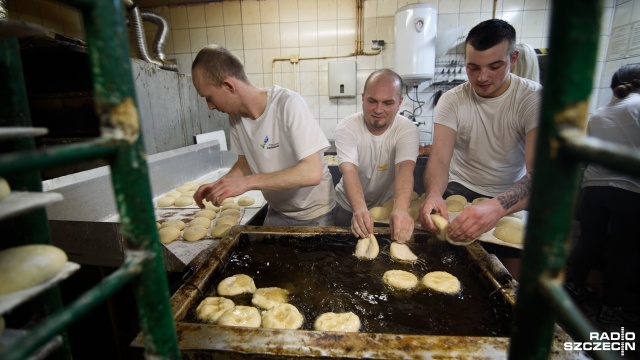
[219, 190]
[401, 224]
[431, 203]
[362, 223]
[475, 220]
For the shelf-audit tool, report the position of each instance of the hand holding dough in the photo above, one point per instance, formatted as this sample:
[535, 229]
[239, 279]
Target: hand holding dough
[347, 322]
[236, 285]
[282, 316]
[367, 248]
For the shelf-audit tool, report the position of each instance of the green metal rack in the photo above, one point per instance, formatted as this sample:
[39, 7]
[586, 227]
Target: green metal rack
[562, 148]
[121, 145]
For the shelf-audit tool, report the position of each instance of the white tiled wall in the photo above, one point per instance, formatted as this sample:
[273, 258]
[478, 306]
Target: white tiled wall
[261, 31]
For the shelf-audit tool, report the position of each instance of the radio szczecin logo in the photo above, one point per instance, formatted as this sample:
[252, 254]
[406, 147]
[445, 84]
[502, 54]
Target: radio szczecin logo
[606, 341]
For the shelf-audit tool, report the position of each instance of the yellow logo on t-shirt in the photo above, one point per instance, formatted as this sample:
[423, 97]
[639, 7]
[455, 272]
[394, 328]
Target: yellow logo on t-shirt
[383, 167]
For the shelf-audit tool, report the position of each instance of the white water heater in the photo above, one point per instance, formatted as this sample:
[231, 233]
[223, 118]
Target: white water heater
[415, 57]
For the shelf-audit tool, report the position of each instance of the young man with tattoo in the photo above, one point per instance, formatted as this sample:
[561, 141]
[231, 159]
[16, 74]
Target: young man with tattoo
[484, 136]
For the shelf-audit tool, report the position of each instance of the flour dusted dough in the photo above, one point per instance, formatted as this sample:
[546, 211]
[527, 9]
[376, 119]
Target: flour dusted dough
[511, 221]
[266, 298]
[211, 308]
[228, 200]
[165, 201]
[219, 231]
[509, 234]
[246, 200]
[401, 252]
[239, 315]
[168, 234]
[454, 205]
[5, 189]
[400, 279]
[231, 205]
[230, 212]
[189, 193]
[367, 248]
[202, 221]
[282, 316]
[194, 233]
[519, 214]
[459, 198]
[179, 224]
[209, 214]
[184, 201]
[479, 200]
[415, 196]
[389, 205]
[209, 205]
[441, 281]
[183, 188]
[345, 322]
[25, 266]
[380, 213]
[227, 220]
[174, 194]
[442, 224]
[236, 285]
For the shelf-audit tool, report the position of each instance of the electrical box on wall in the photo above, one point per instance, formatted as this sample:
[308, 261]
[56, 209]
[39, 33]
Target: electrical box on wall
[342, 78]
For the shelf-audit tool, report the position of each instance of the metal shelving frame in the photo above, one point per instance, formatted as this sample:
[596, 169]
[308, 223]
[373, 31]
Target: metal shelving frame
[121, 145]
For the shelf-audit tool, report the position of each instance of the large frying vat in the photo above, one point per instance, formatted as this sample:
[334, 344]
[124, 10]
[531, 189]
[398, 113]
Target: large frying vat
[199, 340]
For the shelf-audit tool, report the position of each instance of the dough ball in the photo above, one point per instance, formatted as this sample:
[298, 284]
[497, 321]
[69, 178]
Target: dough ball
[246, 316]
[189, 193]
[209, 206]
[211, 308]
[228, 200]
[479, 200]
[442, 224]
[230, 206]
[414, 196]
[183, 188]
[219, 231]
[236, 285]
[267, 298]
[227, 220]
[509, 234]
[511, 221]
[459, 198]
[158, 226]
[194, 233]
[202, 221]
[246, 200]
[5, 189]
[367, 248]
[230, 212]
[165, 201]
[415, 213]
[400, 279]
[174, 194]
[282, 316]
[179, 224]
[401, 252]
[345, 322]
[380, 213]
[389, 205]
[209, 214]
[22, 267]
[441, 281]
[519, 214]
[454, 205]
[184, 201]
[168, 234]
[189, 183]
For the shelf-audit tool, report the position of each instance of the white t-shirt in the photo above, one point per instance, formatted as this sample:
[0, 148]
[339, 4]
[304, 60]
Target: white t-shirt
[617, 122]
[375, 156]
[283, 135]
[489, 154]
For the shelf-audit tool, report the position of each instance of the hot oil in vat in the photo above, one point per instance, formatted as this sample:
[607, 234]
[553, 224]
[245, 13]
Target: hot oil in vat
[322, 275]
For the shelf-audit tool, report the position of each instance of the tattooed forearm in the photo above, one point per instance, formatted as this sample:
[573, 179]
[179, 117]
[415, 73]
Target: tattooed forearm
[517, 192]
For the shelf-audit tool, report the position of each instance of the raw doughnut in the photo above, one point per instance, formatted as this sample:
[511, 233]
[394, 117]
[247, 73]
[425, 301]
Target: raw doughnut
[25, 266]
[441, 281]
[511, 221]
[158, 226]
[209, 205]
[442, 224]
[282, 316]
[236, 285]
[202, 221]
[347, 322]
[211, 308]
[227, 220]
[189, 184]
[219, 231]
[174, 194]
[165, 201]
[267, 298]
[414, 196]
[209, 214]
[380, 213]
[194, 233]
[183, 188]
[230, 212]
[509, 234]
[402, 252]
[5, 189]
[184, 201]
[230, 206]
[459, 198]
[189, 193]
[400, 279]
[454, 205]
[228, 200]
[389, 205]
[168, 234]
[179, 224]
[246, 200]
[367, 248]
[238, 315]
[415, 213]
[518, 214]
[479, 200]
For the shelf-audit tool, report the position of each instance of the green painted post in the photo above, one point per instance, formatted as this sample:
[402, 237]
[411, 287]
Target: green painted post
[573, 46]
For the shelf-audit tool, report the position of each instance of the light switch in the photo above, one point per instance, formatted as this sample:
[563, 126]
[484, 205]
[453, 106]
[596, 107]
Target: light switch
[342, 78]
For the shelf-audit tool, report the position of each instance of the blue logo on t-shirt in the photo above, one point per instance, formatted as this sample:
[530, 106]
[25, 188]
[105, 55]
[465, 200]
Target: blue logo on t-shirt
[266, 140]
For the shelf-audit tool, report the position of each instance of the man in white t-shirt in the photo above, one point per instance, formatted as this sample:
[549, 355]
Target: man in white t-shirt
[484, 136]
[279, 144]
[377, 151]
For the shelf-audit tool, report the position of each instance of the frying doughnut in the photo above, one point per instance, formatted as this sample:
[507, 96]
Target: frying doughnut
[266, 298]
[346, 322]
[211, 308]
[239, 315]
[236, 285]
[402, 252]
[441, 281]
[282, 316]
[367, 248]
[400, 279]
